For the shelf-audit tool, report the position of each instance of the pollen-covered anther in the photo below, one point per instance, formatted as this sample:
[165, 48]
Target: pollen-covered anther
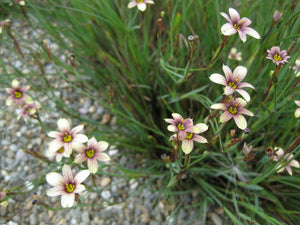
[90, 153]
[277, 57]
[70, 188]
[189, 135]
[67, 137]
[18, 94]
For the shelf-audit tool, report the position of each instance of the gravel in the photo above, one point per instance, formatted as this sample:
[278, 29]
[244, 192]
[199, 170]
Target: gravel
[20, 169]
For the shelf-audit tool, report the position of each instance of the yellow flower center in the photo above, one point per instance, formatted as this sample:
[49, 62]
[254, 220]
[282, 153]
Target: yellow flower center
[180, 125]
[70, 187]
[189, 135]
[18, 94]
[90, 153]
[233, 109]
[61, 150]
[67, 137]
[238, 26]
[140, 1]
[233, 84]
[277, 57]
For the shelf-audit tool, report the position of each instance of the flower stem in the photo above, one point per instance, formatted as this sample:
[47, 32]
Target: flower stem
[186, 161]
[217, 53]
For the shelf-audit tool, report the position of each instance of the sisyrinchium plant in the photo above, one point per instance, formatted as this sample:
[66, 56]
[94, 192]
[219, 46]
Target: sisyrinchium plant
[147, 64]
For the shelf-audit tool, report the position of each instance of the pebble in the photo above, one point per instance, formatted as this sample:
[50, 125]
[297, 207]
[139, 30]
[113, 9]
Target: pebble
[105, 181]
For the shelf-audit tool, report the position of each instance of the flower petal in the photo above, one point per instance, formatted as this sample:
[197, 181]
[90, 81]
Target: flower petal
[172, 128]
[80, 158]
[81, 138]
[297, 113]
[77, 129]
[63, 125]
[103, 157]
[55, 191]
[187, 146]
[102, 145]
[81, 176]
[176, 116]
[54, 179]
[244, 84]
[227, 29]
[245, 21]
[242, 35]
[244, 93]
[132, 4]
[54, 134]
[80, 188]
[92, 165]
[239, 73]
[234, 15]
[240, 121]
[218, 78]
[199, 139]
[226, 16]
[203, 127]
[294, 163]
[142, 6]
[67, 173]
[67, 200]
[225, 117]
[221, 106]
[246, 112]
[251, 32]
[228, 90]
[227, 71]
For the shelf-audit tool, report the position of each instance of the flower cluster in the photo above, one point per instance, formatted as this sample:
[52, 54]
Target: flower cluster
[18, 95]
[65, 141]
[186, 131]
[233, 108]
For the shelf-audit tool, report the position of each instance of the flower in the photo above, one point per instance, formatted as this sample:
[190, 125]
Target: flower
[277, 16]
[181, 125]
[297, 112]
[237, 25]
[92, 153]
[297, 67]
[235, 55]
[188, 142]
[66, 184]
[277, 56]
[2, 24]
[28, 110]
[286, 161]
[17, 94]
[58, 153]
[67, 138]
[141, 4]
[232, 81]
[2, 195]
[234, 109]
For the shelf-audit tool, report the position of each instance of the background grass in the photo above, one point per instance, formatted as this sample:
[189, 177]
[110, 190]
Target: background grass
[142, 77]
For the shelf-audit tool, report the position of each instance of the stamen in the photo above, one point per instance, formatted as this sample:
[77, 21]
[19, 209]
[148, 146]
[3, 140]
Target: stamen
[90, 153]
[70, 188]
[61, 150]
[232, 84]
[189, 135]
[67, 137]
[277, 57]
[140, 1]
[233, 110]
[236, 26]
[180, 126]
[18, 94]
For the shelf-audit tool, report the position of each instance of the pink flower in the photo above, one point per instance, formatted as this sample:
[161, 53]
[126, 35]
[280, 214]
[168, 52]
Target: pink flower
[277, 56]
[2, 24]
[141, 4]
[17, 94]
[234, 109]
[92, 153]
[297, 67]
[277, 16]
[237, 25]
[235, 55]
[297, 112]
[66, 184]
[28, 110]
[233, 81]
[67, 138]
[188, 142]
[286, 161]
[181, 125]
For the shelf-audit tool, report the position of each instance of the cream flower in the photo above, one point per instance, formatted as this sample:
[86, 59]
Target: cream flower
[286, 161]
[66, 185]
[141, 4]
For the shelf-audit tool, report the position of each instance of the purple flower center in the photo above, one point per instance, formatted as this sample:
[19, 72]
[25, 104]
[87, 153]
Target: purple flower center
[189, 135]
[90, 153]
[277, 57]
[67, 137]
[233, 109]
[70, 187]
[18, 94]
